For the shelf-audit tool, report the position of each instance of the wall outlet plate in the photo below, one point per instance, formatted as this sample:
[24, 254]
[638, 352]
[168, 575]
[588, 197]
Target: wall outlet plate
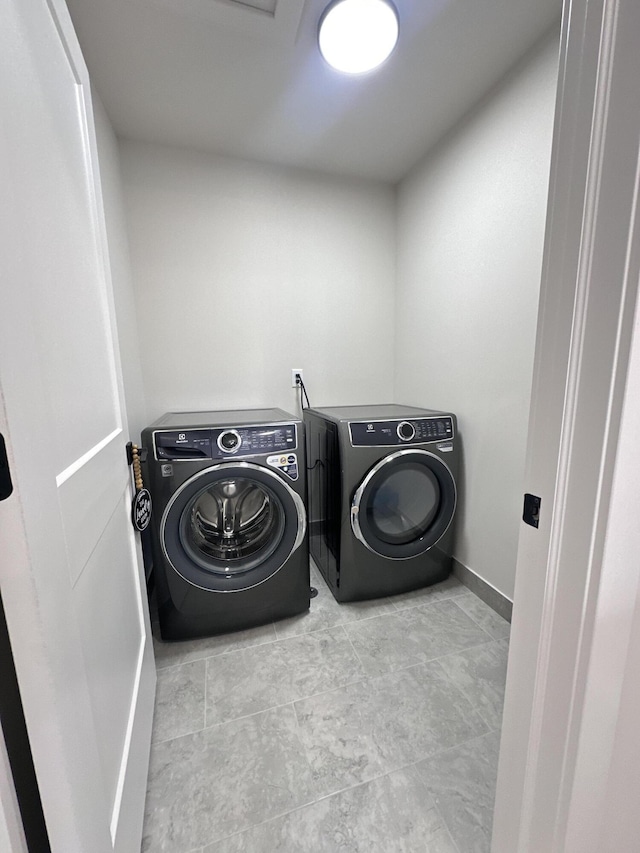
[296, 371]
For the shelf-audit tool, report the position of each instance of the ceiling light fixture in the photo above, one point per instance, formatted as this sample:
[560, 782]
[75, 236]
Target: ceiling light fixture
[358, 35]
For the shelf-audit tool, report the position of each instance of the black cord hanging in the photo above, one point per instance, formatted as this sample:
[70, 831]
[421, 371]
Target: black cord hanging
[303, 395]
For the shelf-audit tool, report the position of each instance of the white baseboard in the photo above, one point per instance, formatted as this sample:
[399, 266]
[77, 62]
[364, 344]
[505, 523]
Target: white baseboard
[489, 594]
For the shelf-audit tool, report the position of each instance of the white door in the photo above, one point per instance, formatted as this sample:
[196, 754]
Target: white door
[576, 611]
[70, 572]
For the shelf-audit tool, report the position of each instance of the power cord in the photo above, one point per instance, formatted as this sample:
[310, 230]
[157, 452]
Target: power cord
[303, 392]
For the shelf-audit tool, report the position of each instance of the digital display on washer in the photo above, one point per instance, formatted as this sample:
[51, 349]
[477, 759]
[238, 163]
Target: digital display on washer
[400, 432]
[256, 439]
[224, 442]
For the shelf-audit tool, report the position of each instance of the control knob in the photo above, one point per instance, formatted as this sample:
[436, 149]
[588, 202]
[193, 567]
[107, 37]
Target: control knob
[229, 441]
[406, 431]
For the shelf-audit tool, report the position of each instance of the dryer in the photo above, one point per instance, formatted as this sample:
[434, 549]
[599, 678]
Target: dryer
[229, 529]
[382, 497]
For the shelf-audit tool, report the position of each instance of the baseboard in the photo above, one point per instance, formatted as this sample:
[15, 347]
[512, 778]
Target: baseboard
[489, 594]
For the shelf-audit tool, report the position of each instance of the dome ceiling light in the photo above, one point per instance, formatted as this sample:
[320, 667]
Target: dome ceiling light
[358, 35]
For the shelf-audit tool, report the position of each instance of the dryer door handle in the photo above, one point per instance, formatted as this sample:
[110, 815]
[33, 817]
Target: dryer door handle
[355, 522]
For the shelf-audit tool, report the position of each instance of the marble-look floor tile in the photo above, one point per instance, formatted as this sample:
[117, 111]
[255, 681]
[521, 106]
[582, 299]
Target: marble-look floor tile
[357, 732]
[251, 680]
[449, 588]
[412, 636]
[462, 782]
[484, 616]
[481, 673]
[391, 814]
[325, 612]
[222, 780]
[179, 708]
[183, 651]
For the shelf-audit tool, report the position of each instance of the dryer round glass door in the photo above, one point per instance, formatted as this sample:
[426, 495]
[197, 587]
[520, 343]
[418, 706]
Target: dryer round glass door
[232, 526]
[404, 505]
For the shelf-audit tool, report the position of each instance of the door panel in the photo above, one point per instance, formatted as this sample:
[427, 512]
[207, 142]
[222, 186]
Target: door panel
[72, 579]
[87, 492]
[61, 198]
[111, 646]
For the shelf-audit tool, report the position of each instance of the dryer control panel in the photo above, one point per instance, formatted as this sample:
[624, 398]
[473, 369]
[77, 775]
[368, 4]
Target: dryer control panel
[400, 432]
[224, 442]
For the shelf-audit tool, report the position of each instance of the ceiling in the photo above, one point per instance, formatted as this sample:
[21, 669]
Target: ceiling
[246, 79]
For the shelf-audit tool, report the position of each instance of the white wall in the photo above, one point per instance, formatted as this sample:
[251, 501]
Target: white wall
[126, 319]
[243, 271]
[471, 223]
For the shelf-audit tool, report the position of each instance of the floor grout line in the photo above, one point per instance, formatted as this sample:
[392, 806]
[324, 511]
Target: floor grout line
[355, 651]
[321, 799]
[492, 613]
[447, 827]
[177, 737]
[475, 621]
[427, 603]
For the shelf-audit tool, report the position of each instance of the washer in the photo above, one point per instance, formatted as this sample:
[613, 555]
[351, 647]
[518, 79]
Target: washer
[229, 530]
[382, 497]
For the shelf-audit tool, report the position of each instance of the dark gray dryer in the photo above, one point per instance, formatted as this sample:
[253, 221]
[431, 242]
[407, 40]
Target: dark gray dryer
[382, 497]
[229, 539]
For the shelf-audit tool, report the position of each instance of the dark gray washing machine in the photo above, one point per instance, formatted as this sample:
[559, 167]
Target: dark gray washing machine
[382, 497]
[229, 528]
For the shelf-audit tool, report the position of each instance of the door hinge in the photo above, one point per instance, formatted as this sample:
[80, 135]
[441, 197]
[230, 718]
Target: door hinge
[6, 486]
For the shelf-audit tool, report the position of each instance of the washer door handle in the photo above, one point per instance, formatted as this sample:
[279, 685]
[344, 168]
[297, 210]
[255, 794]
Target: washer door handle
[355, 522]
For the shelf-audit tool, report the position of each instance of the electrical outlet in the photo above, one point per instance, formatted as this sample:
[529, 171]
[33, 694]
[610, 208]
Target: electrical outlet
[295, 372]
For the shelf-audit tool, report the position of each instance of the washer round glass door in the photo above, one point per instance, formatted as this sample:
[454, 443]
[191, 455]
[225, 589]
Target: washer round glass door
[232, 526]
[404, 505]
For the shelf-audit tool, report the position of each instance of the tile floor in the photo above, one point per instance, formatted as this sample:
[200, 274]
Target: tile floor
[371, 726]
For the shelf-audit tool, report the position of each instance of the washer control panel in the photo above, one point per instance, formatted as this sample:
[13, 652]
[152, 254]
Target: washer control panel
[224, 443]
[400, 432]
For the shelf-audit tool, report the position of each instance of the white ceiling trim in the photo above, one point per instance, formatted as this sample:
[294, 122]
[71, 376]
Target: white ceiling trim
[244, 17]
